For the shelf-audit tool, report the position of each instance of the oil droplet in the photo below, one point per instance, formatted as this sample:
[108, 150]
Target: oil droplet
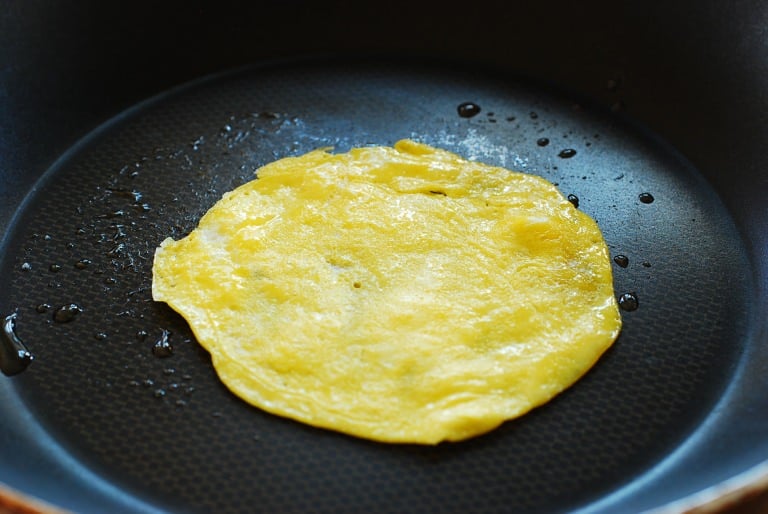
[119, 213]
[43, 308]
[621, 260]
[159, 393]
[116, 251]
[67, 313]
[54, 268]
[574, 200]
[14, 356]
[357, 285]
[567, 153]
[468, 109]
[83, 263]
[646, 197]
[542, 141]
[629, 301]
[163, 347]
[100, 336]
[197, 143]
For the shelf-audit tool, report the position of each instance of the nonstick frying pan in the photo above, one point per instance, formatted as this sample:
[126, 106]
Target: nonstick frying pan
[650, 99]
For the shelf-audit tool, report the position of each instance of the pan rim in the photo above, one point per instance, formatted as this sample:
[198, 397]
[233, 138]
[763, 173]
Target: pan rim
[713, 497]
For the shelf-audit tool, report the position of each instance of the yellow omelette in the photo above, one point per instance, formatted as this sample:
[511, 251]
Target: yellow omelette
[400, 294]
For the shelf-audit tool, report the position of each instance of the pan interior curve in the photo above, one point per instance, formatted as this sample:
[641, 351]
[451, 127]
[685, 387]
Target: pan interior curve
[162, 425]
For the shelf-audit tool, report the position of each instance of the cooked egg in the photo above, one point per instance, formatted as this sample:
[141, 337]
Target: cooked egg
[401, 294]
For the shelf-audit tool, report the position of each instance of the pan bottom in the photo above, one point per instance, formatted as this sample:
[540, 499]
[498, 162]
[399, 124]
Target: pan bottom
[160, 425]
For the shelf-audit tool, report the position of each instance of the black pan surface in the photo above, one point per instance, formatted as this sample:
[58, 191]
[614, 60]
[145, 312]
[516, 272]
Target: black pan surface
[100, 422]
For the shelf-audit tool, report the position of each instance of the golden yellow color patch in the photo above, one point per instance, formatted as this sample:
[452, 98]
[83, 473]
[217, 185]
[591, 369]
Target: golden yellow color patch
[398, 294]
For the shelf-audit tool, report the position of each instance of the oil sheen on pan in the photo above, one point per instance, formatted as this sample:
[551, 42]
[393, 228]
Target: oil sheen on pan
[400, 294]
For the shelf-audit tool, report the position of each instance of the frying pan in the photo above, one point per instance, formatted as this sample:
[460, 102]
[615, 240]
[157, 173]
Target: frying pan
[122, 124]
